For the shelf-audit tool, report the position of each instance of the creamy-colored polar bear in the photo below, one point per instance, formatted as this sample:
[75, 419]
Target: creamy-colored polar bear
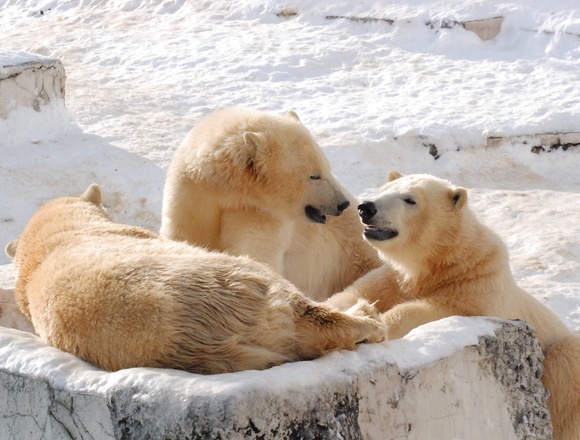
[441, 261]
[119, 296]
[254, 183]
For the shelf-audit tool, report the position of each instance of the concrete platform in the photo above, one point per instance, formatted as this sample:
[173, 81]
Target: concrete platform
[29, 80]
[543, 141]
[486, 28]
[465, 378]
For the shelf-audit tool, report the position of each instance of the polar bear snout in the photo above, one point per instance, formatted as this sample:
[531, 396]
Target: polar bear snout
[318, 215]
[367, 211]
[342, 206]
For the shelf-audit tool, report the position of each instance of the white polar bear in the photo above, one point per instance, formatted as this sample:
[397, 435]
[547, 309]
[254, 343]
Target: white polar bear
[441, 261]
[119, 296]
[254, 183]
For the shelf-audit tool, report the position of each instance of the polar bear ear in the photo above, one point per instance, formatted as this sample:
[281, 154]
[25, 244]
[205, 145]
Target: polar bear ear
[11, 248]
[257, 142]
[292, 115]
[459, 197]
[93, 195]
[393, 175]
[256, 153]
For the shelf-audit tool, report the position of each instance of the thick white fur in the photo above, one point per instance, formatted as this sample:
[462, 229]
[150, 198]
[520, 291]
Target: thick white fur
[240, 183]
[445, 262]
[120, 296]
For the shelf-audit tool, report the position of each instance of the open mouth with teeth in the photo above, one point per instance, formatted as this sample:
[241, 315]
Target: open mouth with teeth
[373, 233]
[314, 214]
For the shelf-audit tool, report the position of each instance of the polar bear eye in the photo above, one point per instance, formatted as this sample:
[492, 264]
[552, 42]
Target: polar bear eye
[409, 201]
[315, 177]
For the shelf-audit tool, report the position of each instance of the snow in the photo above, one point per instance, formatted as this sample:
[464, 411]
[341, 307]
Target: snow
[423, 346]
[375, 95]
[13, 57]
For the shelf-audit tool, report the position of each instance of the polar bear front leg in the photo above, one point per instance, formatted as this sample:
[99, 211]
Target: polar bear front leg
[379, 287]
[404, 317]
[257, 235]
[320, 329]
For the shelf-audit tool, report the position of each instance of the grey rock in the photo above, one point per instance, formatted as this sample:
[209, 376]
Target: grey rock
[29, 80]
[489, 389]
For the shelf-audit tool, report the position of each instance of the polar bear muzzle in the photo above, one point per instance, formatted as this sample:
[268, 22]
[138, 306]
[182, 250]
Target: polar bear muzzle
[373, 233]
[367, 211]
[316, 215]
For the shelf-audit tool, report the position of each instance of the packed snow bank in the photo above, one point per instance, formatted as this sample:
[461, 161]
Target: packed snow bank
[476, 378]
[143, 71]
[40, 171]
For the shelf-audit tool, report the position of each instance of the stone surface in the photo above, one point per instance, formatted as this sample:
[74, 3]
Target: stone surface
[570, 138]
[486, 29]
[538, 141]
[401, 389]
[548, 139]
[29, 80]
[494, 141]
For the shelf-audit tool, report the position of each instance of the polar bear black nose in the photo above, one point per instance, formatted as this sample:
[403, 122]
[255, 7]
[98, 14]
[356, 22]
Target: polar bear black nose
[342, 207]
[367, 210]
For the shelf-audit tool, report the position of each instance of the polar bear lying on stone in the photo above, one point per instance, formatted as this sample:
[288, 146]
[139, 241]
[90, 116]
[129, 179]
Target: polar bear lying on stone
[441, 261]
[254, 183]
[119, 296]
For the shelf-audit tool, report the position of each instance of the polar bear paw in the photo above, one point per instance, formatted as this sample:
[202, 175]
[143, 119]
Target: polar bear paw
[363, 308]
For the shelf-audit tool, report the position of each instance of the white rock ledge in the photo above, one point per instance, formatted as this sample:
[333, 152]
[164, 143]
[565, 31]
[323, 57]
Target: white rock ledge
[547, 140]
[29, 80]
[466, 378]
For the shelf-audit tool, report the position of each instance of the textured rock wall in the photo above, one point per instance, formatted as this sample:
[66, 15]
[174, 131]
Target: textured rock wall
[487, 390]
[29, 80]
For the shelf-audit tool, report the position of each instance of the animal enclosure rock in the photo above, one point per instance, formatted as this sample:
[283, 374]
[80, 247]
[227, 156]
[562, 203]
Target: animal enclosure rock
[476, 378]
[29, 80]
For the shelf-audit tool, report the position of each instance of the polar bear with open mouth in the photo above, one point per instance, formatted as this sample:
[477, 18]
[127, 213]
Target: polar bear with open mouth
[255, 183]
[440, 260]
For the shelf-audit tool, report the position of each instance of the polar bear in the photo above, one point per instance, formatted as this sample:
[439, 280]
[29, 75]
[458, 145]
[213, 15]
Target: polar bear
[441, 261]
[119, 296]
[255, 183]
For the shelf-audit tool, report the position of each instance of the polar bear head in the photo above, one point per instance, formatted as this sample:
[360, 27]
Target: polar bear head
[413, 217]
[289, 165]
[45, 222]
[261, 160]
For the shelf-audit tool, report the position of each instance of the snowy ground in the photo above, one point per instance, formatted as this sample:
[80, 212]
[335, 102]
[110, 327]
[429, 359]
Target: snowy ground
[141, 72]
